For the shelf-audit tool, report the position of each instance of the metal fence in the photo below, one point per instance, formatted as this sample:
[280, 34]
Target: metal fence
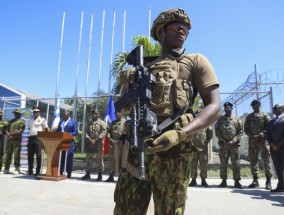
[240, 100]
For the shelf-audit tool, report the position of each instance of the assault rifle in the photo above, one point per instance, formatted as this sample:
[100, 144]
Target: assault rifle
[144, 121]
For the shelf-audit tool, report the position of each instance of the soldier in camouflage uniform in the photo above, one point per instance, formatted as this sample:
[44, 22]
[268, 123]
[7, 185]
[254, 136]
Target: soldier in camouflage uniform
[95, 133]
[200, 154]
[3, 126]
[114, 132]
[14, 132]
[229, 130]
[255, 127]
[167, 157]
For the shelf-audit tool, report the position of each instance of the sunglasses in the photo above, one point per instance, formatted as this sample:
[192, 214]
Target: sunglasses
[177, 29]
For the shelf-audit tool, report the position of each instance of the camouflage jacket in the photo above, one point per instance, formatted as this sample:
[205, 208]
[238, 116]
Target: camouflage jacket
[16, 125]
[96, 130]
[3, 126]
[115, 129]
[256, 123]
[229, 129]
[202, 138]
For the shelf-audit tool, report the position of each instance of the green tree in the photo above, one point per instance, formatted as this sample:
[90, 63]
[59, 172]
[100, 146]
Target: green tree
[120, 64]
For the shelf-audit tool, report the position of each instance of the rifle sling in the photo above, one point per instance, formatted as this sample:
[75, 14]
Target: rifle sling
[170, 120]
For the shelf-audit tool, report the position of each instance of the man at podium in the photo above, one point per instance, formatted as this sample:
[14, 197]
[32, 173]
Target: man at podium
[69, 126]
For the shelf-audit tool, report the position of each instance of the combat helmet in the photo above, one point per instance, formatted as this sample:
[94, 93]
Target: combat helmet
[168, 16]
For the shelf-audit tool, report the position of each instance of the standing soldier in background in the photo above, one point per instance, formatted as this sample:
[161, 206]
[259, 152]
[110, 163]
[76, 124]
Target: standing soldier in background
[229, 131]
[95, 133]
[14, 132]
[200, 154]
[115, 130]
[255, 127]
[3, 126]
[37, 123]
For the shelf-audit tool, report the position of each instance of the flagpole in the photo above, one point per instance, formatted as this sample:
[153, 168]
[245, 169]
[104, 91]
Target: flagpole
[56, 116]
[123, 32]
[59, 58]
[100, 65]
[149, 22]
[87, 83]
[78, 65]
[111, 53]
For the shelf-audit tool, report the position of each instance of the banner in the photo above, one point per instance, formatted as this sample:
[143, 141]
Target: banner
[110, 116]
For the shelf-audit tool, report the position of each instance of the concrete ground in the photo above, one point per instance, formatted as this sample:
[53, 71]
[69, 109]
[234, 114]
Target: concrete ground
[22, 194]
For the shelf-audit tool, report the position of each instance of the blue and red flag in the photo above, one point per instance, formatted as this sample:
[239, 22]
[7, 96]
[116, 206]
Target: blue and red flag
[110, 116]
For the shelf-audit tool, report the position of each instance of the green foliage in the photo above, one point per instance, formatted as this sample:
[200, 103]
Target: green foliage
[119, 64]
[214, 171]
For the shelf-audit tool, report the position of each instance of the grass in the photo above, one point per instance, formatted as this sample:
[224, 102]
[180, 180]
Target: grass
[245, 172]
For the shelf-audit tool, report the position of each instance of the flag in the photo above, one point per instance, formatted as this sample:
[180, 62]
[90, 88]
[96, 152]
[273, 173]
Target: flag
[56, 116]
[110, 116]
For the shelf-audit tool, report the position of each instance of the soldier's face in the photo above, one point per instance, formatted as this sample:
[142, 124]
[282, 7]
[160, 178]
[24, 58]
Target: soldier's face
[228, 110]
[256, 107]
[176, 34]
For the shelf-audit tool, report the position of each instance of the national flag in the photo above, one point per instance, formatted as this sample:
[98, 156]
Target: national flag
[56, 116]
[110, 116]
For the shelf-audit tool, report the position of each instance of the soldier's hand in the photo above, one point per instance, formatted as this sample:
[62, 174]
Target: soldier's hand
[166, 141]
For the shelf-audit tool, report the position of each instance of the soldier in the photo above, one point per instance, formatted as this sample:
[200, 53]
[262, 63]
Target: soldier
[168, 157]
[200, 154]
[3, 127]
[114, 132]
[95, 133]
[36, 124]
[255, 127]
[14, 132]
[229, 131]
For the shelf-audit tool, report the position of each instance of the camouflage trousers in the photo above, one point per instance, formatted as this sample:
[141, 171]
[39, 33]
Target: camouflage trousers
[98, 159]
[1, 151]
[13, 147]
[224, 155]
[202, 159]
[169, 174]
[111, 159]
[254, 150]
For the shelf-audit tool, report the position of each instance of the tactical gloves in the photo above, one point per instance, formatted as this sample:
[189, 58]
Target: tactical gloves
[167, 140]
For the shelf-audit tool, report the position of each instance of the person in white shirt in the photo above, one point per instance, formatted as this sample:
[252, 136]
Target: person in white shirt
[36, 124]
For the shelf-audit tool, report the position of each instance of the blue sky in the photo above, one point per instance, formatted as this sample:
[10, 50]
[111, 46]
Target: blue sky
[233, 35]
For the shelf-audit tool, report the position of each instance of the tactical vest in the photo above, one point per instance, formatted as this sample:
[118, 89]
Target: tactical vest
[173, 91]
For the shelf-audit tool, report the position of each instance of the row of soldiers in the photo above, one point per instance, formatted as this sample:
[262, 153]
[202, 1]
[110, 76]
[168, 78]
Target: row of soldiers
[228, 127]
[229, 130]
[95, 132]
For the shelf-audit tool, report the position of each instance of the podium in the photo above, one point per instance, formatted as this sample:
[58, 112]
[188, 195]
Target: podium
[54, 144]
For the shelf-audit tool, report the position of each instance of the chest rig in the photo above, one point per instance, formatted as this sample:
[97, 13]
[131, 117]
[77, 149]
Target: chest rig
[173, 90]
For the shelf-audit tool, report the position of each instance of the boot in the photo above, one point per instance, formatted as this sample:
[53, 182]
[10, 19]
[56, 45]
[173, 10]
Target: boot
[238, 184]
[192, 183]
[268, 183]
[110, 179]
[17, 171]
[254, 183]
[86, 176]
[223, 183]
[99, 178]
[204, 183]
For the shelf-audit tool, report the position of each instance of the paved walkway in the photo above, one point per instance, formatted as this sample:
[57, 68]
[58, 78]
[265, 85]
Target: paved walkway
[22, 194]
